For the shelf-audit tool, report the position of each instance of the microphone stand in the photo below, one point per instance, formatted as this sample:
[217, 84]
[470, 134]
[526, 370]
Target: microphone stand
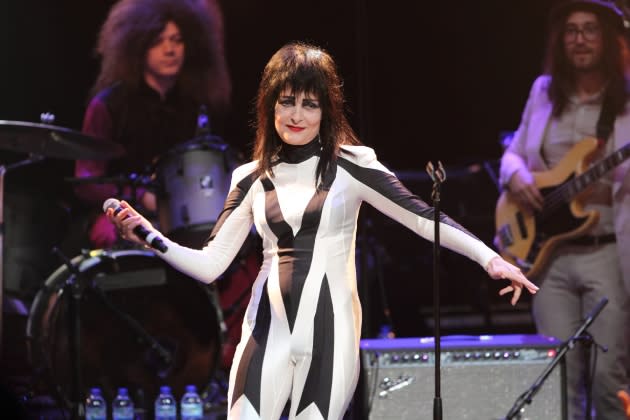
[588, 338]
[527, 396]
[438, 176]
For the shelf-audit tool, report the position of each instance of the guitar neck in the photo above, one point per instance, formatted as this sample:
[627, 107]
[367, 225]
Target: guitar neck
[576, 185]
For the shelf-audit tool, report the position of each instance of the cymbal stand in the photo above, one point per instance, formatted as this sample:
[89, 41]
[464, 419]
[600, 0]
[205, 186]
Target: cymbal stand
[73, 289]
[438, 176]
[4, 169]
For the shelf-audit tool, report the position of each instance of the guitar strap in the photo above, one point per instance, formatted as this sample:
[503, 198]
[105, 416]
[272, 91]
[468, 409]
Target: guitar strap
[606, 120]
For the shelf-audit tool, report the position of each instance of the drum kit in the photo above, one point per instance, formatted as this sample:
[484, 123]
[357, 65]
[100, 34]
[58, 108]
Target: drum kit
[124, 317]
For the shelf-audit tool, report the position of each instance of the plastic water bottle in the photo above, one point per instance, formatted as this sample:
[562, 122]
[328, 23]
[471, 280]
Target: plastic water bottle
[122, 406]
[165, 405]
[95, 405]
[191, 407]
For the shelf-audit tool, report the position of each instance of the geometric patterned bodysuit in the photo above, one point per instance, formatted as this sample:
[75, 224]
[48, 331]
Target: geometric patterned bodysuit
[301, 332]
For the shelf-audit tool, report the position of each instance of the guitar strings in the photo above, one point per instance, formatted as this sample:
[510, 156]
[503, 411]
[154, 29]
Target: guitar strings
[561, 194]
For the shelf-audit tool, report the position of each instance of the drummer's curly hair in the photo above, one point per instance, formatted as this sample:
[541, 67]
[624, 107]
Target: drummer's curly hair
[132, 26]
[301, 67]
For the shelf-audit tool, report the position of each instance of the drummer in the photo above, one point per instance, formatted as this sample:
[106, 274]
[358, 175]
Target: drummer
[162, 62]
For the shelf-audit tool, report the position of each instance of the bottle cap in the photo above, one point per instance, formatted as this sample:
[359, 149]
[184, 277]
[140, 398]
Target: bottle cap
[165, 389]
[191, 388]
[95, 391]
[123, 391]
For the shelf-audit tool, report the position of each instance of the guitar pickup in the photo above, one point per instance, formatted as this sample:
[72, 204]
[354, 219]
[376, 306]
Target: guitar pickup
[505, 237]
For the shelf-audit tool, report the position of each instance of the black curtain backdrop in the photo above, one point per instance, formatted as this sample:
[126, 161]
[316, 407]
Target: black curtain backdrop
[424, 81]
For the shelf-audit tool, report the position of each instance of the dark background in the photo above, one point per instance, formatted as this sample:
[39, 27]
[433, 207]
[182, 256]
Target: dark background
[424, 81]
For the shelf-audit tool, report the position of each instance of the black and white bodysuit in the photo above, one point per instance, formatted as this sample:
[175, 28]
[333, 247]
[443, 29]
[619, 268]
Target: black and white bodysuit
[301, 332]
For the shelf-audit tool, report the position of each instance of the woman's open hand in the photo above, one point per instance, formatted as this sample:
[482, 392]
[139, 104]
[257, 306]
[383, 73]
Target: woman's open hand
[498, 269]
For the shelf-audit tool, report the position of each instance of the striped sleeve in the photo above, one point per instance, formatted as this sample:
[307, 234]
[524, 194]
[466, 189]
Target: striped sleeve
[380, 188]
[227, 237]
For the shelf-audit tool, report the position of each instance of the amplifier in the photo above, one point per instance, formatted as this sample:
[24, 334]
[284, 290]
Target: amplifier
[481, 377]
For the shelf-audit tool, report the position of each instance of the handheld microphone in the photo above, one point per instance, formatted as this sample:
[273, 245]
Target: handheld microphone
[151, 238]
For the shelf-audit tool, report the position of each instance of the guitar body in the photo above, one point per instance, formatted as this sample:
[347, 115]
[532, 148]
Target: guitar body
[528, 239]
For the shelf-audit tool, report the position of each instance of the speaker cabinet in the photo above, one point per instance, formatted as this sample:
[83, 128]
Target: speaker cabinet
[481, 377]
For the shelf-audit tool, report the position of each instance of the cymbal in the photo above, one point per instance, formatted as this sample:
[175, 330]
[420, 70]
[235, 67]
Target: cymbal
[55, 142]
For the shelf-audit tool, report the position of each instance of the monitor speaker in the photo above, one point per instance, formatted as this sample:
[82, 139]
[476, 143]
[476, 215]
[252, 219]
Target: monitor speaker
[481, 377]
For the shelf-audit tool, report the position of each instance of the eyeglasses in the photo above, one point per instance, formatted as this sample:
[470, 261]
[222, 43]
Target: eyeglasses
[588, 32]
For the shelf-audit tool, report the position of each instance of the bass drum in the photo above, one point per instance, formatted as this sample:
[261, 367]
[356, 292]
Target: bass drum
[129, 299]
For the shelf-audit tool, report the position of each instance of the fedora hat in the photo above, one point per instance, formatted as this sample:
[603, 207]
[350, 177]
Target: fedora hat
[607, 9]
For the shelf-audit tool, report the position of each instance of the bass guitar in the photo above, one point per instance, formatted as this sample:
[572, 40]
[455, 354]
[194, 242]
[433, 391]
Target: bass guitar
[527, 239]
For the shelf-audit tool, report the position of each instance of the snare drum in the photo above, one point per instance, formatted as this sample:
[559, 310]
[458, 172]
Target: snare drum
[194, 180]
[181, 314]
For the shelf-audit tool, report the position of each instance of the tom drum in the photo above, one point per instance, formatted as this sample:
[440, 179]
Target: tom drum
[194, 180]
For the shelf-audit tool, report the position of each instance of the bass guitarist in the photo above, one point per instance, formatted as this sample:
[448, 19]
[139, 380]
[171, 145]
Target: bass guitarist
[584, 93]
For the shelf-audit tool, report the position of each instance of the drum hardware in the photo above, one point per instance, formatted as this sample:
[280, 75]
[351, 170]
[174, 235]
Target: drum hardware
[167, 327]
[41, 141]
[206, 140]
[4, 169]
[121, 180]
[159, 355]
[133, 181]
[73, 289]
